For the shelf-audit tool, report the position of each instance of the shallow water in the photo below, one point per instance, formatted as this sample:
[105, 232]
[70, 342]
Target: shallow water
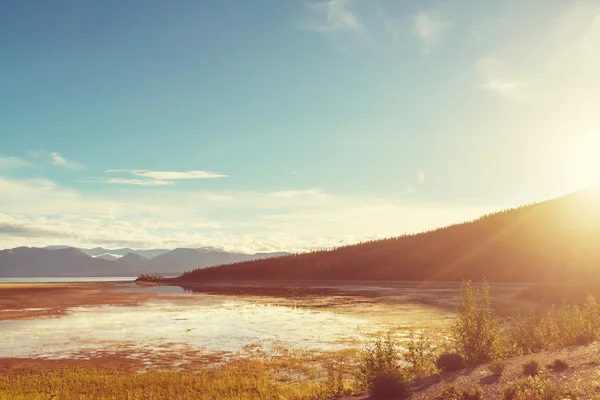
[207, 325]
[65, 279]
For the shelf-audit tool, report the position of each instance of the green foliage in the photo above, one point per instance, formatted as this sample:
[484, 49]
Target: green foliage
[420, 356]
[558, 365]
[150, 278]
[388, 385]
[452, 392]
[568, 325]
[334, 385]
[536, 388]
[450, 362]
[497, 367]
[530, 368]
[378, 359]
[522, 336]
[476, 332]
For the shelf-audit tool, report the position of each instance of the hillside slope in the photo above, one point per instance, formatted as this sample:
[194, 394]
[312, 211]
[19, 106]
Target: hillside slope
[30, 262]
[556, 240]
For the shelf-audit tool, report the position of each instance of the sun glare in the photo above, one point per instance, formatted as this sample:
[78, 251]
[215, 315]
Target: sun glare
[587, 161]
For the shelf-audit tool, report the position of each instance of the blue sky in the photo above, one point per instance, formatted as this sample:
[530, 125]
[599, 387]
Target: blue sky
[288, 125]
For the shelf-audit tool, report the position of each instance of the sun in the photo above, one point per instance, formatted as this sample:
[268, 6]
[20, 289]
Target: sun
[586, 161]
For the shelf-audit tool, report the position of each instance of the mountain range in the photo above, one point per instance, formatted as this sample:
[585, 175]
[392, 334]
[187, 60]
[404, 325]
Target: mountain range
[68, 261]
[553, 241]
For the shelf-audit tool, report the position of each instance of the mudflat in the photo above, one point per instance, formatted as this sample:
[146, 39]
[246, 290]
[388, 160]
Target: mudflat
[29, 300]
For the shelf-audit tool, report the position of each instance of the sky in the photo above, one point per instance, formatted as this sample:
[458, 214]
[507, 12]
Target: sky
[288, 125]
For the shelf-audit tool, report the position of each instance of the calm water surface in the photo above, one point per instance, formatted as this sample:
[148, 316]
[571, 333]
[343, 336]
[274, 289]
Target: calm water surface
[70, 279]
[207, 325]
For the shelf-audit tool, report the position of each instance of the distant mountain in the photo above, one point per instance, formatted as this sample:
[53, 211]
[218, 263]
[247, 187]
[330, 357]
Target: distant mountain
[29, 262]
[552, 241]
[124, 251]
[133, 260]
[98, 251]
[69, 261]
[180, 260]
[108, 256]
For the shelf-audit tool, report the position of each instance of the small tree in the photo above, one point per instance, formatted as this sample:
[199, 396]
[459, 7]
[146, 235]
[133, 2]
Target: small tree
[476, 332]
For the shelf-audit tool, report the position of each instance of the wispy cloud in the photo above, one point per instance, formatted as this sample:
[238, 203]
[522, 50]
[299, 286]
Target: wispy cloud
[13, 162]
[154, 178]
[251, 221]
[139, 182]
[318, 193]
[493, 76]
[334, 15]
[430, 26]
[61, 161]
[351, 25]
[170, 175]
[550, 66]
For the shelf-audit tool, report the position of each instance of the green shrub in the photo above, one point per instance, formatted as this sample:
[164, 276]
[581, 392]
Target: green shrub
[420, 356]
[476, 333]
[536, 388]
[334, 385]
[531, 368]
[390, 385]
[522, 337]
[450, 362]
[567, 325]
[378, 359]
[558, 365]
[497, 367]
[452, 392]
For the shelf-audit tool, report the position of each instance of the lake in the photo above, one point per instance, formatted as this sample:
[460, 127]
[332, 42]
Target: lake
[183, 327]
[66, 279]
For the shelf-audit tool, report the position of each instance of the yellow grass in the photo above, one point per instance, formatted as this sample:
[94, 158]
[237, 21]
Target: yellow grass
[238, 381]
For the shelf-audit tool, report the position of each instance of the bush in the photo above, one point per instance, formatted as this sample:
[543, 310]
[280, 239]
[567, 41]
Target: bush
[567, 325]
[531, 368]
[390, 385]
[558, 365]
[420, 356]
[334, 385]
[536, 388]
[450, 362]
[378, 359]
[451, 392]
[476, 333]
[497, 367]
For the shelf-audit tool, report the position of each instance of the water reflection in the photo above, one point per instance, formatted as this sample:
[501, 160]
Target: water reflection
[206, 324]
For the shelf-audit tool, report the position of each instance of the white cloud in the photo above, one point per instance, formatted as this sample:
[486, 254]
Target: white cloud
[493, 76]
[170, 175]
[61, 161]
[430, 27]
[13, 162]
[139, 182]
[294, 220]
[551, 65]
[317, 193]
[155, 178]
[351, 25]
[334, 15]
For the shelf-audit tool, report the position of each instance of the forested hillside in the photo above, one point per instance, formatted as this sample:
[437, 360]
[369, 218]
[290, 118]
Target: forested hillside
[556, 240]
